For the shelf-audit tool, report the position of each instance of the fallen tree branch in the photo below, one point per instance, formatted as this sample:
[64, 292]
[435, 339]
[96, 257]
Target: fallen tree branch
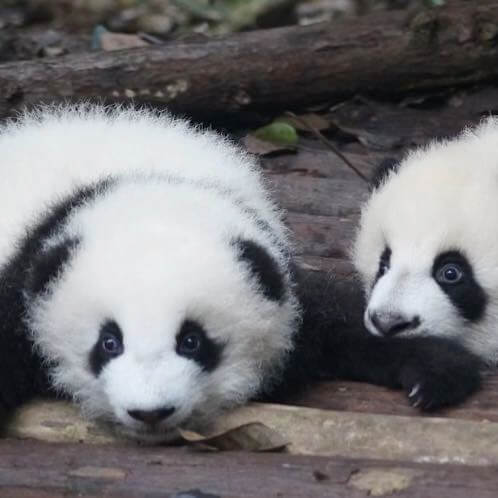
[278, 68]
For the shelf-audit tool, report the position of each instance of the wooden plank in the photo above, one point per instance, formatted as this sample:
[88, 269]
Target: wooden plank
[314, 159]
[319, 196]
[359, 397]
[323, 236]
[308, 431]
[362, 435]
[29, 469]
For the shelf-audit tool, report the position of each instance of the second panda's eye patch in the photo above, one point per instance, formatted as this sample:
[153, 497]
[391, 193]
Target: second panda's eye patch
[192, 342]
[108, 346]
[384, 263]
[453, 273]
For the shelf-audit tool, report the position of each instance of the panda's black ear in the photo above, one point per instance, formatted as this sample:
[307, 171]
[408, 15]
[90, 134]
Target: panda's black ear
[263, 267]
[48, 264]
[382, 171]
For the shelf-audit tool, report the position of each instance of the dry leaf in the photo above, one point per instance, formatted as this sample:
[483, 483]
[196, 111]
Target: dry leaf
[119, 41]
[253, 436]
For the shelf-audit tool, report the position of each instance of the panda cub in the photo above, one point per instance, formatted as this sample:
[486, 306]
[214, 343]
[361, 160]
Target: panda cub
[145, 273]
[427, 246]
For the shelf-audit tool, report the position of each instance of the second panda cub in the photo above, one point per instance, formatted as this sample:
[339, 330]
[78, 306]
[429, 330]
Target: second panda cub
[427, 246]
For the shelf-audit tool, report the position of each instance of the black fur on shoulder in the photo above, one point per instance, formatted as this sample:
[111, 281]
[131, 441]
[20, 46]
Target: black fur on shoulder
[48, 264]
[263, 267]
[434, 372]
[28, 272]
[382, 171]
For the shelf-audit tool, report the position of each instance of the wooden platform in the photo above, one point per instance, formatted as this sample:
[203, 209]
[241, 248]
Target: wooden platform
[350, 440]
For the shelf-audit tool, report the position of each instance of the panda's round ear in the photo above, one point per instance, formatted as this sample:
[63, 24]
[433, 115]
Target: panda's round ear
[262, 267]
[48, 264]
[382, 171]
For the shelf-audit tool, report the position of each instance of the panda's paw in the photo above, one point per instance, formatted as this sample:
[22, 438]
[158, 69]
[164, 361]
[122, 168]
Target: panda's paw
[428, 392]
[441, 377]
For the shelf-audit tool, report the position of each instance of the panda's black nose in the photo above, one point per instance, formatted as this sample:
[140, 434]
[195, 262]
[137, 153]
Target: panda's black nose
[152, 416]
[389, 324]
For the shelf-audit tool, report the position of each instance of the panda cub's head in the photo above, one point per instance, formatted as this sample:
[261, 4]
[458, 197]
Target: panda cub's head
[158, 293]
[155, 321]
[427, 244]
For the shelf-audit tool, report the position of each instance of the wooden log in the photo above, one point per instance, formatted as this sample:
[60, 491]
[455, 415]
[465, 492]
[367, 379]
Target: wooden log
[34, 469]
[279, 68]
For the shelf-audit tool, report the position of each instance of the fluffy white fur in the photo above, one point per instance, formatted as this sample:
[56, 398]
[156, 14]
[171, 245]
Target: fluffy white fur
[153, 250]
[443, 197]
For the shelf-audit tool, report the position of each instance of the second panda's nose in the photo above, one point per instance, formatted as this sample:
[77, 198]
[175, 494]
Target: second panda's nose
[389, 324]
[152, 416]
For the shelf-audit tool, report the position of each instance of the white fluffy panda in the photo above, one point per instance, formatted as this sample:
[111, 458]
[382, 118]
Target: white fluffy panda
[145, 273]
[427, 245]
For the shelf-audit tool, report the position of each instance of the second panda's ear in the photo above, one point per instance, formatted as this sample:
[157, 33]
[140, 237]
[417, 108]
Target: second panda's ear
[47, 265]
[382, 171]
[263, 268]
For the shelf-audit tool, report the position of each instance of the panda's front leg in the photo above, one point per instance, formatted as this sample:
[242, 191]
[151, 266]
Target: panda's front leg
[438, 372]
[22, 372]
[434, 372]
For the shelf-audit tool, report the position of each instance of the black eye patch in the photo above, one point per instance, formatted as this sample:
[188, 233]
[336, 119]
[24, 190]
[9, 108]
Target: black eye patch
[109, 345]
[453, 273]
[192, 342]
[384, 263]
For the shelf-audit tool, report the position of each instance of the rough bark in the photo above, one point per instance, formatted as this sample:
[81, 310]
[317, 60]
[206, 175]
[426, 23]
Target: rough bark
[279, 68]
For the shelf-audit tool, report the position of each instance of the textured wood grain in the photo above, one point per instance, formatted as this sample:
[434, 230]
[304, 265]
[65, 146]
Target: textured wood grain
[308, 431]
[29, 469]
[366, 398]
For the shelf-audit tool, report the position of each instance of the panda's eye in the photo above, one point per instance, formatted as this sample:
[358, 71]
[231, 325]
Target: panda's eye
[193, 343]
[108, 346]
[111, 344]
[190, 344]
[449, 274]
